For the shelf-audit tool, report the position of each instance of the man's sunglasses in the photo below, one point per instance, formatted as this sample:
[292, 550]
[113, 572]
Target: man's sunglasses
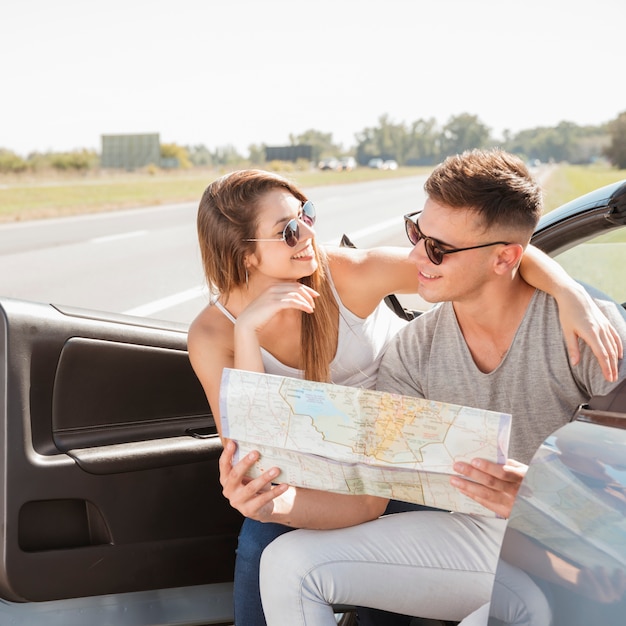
[291, 232]
[434, 251]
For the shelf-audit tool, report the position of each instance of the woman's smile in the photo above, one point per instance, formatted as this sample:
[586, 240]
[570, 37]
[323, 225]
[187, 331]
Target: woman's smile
[305, 254]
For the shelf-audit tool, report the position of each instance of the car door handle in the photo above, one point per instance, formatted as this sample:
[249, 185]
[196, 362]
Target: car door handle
[142, 455]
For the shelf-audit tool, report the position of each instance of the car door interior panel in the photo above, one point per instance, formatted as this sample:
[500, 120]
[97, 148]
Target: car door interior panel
[105, 486]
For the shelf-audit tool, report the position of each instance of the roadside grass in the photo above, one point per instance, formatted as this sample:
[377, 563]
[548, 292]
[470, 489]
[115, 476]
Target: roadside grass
[46, 196]
[591, 262]
[43, 196]
[567, 182]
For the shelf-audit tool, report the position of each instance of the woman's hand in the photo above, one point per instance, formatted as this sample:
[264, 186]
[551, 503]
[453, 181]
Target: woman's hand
[297, 507]
[493, 485]
[259, 312]
[582, 318]
[278, 297]
[253, 498]
[580, 315]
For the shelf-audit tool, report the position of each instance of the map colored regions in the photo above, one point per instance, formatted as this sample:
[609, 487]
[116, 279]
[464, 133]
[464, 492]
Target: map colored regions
[359, 441]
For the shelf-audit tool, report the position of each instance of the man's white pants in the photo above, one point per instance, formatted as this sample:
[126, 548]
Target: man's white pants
[430, 564]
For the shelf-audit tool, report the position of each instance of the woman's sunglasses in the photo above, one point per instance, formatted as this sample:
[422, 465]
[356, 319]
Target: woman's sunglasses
[434, 251]
[291, 232]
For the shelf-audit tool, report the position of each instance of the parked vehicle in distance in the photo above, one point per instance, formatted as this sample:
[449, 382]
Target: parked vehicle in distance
[390, 164]
[375, 163]
[329, 163]
[112, 511]
[347, 164]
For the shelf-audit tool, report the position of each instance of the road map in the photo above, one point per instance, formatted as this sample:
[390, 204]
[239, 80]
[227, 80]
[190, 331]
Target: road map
[359, 441]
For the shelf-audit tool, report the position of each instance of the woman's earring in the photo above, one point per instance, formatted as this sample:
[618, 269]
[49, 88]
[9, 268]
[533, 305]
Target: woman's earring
[247, 286]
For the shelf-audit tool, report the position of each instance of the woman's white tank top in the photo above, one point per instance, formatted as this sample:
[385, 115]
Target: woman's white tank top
[360, 347]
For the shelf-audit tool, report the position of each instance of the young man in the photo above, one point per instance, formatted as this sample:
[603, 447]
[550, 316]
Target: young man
[494, 343]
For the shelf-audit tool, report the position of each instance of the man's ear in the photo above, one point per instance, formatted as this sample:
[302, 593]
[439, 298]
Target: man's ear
[509, 258]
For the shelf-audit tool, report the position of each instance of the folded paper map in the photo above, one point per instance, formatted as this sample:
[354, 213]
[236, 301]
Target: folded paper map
[359, 441]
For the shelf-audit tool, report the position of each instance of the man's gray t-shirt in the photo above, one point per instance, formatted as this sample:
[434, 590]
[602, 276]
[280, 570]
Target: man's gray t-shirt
[534, 382]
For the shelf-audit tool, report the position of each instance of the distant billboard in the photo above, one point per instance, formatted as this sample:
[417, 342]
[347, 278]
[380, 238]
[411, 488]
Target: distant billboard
[130, 152]
[288, 153]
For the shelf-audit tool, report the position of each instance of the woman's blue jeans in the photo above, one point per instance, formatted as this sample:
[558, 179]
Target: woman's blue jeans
[253, 538]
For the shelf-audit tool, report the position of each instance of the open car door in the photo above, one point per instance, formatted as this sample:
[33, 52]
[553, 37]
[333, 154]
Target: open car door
[110, 474]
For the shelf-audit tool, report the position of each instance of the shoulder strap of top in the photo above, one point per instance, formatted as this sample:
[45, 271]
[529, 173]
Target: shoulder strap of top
[223, 309]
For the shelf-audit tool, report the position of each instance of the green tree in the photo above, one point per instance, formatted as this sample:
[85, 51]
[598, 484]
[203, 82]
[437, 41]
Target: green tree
[616, 152]
[200, 155]
[463, 132]
[590, 144]
[564, 142]
[227, 155]
[11, 163]
[257, 154]
[388, 140]
[391, 138]
[422, 146]
[560, 141]
[366, 147]
[78, 160]
[322, 143]
[172, 151]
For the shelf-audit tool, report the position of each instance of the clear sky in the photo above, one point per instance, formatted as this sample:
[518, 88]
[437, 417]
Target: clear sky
[241, 72]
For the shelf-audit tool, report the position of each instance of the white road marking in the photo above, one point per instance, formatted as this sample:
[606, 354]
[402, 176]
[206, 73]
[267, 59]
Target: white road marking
[106, 239]
[169, 301]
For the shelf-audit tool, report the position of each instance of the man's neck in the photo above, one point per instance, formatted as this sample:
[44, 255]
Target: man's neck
[489, 322]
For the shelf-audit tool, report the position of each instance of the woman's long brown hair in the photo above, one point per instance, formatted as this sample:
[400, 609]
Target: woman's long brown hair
[227, 216]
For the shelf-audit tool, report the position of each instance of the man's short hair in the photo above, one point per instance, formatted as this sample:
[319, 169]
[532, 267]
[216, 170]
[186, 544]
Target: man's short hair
[495, 184]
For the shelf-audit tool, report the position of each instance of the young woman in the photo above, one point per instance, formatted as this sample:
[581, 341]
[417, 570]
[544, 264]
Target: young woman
[284, 305]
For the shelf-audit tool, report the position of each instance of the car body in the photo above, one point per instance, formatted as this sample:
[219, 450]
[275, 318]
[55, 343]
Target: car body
[112, 511]
[375, 163]
[390, 164]
[564, 549]
[347, 163]
[329, 163]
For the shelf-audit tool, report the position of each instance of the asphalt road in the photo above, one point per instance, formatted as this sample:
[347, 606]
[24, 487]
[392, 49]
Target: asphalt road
[146, 261]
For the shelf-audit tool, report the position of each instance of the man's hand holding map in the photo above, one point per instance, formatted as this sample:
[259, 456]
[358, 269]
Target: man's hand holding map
[359, 441]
